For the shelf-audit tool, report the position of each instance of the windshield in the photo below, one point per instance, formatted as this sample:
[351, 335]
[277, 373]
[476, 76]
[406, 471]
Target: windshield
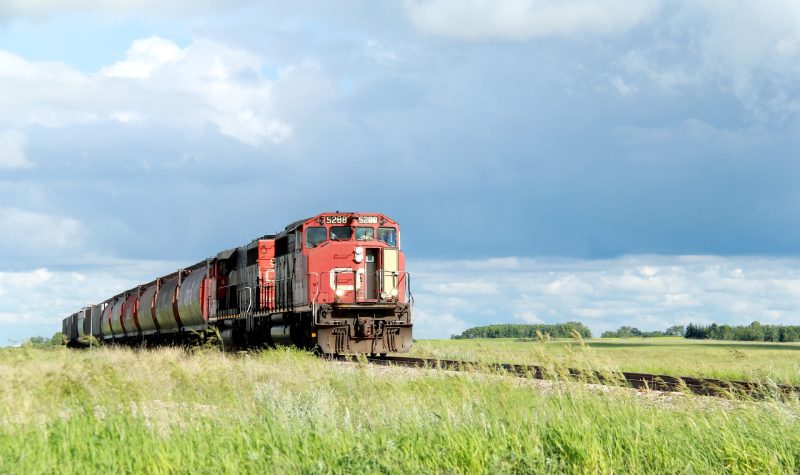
[315, 235]
[365, 234]
[341, 233]
[388, 235]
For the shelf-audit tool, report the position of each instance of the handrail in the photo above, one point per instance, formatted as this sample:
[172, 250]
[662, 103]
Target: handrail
[249, 299]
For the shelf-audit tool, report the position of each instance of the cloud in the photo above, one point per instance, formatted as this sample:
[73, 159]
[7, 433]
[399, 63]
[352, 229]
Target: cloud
[527, 317]
[438, 325]
[466, 288]
[32, 233]
[44, 8]
[380, 53]
[12, 150]
[158, 82]
[650, 292]
[623, 87]
[525, 19]
[143, 57]
[747, 48]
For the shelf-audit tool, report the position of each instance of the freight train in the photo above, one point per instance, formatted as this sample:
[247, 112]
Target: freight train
[334, 283]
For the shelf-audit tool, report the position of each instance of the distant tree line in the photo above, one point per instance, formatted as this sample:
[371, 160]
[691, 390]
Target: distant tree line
[512, 330]
[44, 342]
[753, 332]
[630, 332]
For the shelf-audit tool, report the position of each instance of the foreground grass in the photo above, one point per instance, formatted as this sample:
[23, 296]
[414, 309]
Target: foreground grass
[751, 361]
[284, 411]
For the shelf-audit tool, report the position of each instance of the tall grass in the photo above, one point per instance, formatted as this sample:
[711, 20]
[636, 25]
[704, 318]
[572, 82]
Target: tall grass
[285, 411]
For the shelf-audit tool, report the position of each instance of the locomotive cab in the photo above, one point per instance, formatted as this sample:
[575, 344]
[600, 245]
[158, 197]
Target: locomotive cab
[347, 270]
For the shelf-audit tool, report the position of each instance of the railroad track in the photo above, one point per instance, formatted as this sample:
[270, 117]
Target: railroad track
[646, 381]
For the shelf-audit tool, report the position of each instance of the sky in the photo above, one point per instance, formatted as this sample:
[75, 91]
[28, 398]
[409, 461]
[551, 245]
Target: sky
[609, 162]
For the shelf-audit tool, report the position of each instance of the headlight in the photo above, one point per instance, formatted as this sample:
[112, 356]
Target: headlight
[359, 258]
[359, 250]
[339, 292]
[394, 292]
[383, 295]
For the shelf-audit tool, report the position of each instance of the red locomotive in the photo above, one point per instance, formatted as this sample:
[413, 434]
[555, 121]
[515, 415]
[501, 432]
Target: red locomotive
[335, 282]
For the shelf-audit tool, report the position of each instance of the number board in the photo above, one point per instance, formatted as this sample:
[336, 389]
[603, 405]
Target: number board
[367, 220]
[336, 219]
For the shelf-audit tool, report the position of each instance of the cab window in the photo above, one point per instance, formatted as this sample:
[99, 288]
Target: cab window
[341, 233]
[365, 234]
[315, 235]
[388, 235]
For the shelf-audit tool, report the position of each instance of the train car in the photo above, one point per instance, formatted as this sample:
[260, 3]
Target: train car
[70, 329]
[335, 282]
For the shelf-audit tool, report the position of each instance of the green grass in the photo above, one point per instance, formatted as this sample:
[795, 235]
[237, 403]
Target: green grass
[776, 362]
[285, 411]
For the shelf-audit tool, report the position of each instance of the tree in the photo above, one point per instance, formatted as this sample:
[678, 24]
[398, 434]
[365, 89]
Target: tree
[675, 330]
[509, 330]
[753, 332]
[43, 342]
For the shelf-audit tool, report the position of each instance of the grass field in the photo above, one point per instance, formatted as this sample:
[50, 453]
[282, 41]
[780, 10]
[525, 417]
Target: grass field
[777, 362]
[285, 411]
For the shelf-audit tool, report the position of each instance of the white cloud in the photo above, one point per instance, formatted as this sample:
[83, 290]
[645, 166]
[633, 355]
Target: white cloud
[12, 150]
[380, 53]
[568, 285]
[651, 292]
[623, 87]
[528, 317]
[466, 288]
[439, 325]
[158, 82]
[747, 48]
[143, 57]
[26, 232]
[524, 19]
[43, 8]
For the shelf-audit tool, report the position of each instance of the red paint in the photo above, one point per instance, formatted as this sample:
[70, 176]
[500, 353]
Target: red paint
[266, 272]
[329, 255]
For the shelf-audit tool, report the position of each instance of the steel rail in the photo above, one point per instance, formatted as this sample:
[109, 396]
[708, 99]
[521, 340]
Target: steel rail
[646, 381]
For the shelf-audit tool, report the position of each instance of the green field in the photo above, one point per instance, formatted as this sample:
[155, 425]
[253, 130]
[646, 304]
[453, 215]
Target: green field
[757, 361]
[286, 411]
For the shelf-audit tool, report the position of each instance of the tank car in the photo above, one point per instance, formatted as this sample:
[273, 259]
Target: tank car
[335, 282]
